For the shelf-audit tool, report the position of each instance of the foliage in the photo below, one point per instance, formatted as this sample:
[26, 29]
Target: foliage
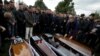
[40, 4]
[66, 6]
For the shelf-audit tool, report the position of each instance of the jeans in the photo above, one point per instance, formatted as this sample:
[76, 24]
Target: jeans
[29, 32]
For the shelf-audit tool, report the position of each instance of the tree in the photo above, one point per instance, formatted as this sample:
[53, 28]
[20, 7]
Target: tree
[97, 15]
[65, 6]
[40, 4]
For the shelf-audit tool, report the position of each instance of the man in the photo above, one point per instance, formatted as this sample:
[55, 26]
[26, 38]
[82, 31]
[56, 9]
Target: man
[48, 21]
[37, 27]
[2, 28]
[90, 35]
[63, 22]
[53, 28]
[65, 18]
[10, 16]
[97, 42]
[29, 22]
[56, 24]
[6, 6]
[42, 21]
[1, 13]
[14, 12]
[71, 26]
[12, 6]
[21, 21]
[9, 10]
[82, 29]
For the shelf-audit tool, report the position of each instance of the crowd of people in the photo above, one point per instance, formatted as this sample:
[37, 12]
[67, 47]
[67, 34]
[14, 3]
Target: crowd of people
[29, 20]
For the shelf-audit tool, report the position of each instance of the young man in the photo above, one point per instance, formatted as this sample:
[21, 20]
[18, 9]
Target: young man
[29, 22]
[91, 37]
[82, 29]
[21, 21]
[36, 20]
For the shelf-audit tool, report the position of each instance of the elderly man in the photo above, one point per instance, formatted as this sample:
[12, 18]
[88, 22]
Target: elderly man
[71, 27]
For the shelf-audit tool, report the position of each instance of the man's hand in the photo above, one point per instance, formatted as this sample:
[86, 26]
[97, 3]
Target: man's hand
[34, 24]
[71, 37]
[79, 31]
[93, 30]
[65, 35]
[2, 28]
[13, 24]
[13, 37]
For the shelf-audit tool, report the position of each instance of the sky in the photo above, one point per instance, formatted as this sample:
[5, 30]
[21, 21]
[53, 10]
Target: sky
[81, 6]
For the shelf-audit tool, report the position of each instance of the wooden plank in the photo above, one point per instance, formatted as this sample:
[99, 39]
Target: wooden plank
[41, 52]
[44, 46]
[76, 46]
[46, 49]
[21, 50]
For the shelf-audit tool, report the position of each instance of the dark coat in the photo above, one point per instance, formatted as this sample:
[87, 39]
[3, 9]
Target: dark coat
[72, 27]
[1, 17]
[86, 25]
[21, 23]
[45, 22]
[37, 26]
[56, 24]
[48, 22]
[82, 24]
[29, 17]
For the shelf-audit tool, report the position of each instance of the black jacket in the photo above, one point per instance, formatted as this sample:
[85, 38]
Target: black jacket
[29, 17]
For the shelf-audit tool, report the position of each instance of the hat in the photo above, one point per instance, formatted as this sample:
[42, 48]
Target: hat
[93, 14]
[82, 15]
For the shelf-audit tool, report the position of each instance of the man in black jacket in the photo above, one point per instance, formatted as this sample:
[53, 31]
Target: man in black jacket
[21, 21]
[29, 17]
[48, 21]
[36, 20]
[56, 23]
[42, 21]
[90, 28]
[82, 29]
[2, 28]
[71, 27]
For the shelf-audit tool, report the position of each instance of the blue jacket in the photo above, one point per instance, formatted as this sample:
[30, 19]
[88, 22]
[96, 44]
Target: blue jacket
[72, 27]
